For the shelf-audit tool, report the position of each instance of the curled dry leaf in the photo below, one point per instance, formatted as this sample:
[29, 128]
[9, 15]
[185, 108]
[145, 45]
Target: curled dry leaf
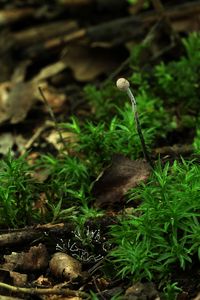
[43, 281]
[142, 291]
[35, 259]
[117, 179]
[54, 138]
[54, 99]
[8, 140]
[4, 103]
[16, 278]
[41, 204]
[64, 266]
[17, 97]
[197, 297]
[16, 101]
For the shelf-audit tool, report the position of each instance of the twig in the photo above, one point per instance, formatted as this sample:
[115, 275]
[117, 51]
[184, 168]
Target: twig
[52, 115]
[98, 290]
[44, 291]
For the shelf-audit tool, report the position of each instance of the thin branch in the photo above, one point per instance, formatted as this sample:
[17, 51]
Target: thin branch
[52, 116]
[44, 291]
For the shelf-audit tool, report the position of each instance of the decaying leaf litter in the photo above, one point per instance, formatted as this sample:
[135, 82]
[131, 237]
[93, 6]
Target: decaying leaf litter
[61, 47]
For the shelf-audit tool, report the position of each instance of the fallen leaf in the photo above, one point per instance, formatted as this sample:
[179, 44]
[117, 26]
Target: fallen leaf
[54, 138]
[50, 70]
[16, 101]
[35, 259]
[18, 97]
[43, 281]
[19, 73]
[197, 297]
[16, 278]
[54, 99]
[142, 291]
[8, 140]
[41, 204]
[122, 175]
[88, 63]
[5, 88]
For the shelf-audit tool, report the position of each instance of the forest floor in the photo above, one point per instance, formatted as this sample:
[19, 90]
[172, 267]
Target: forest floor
[90, 207]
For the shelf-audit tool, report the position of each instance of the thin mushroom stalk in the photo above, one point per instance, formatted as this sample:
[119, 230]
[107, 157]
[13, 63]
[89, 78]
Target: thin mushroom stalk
[124, 85]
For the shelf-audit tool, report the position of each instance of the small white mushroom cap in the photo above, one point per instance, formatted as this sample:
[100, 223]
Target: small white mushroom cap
[122, 84]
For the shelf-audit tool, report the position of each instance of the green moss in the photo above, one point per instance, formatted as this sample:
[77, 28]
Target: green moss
[178, 81]
[165, 229]
[170, 199]
[18, 191]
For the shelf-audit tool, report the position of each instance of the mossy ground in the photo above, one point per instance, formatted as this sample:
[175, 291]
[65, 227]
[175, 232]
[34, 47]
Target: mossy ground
[162, 232]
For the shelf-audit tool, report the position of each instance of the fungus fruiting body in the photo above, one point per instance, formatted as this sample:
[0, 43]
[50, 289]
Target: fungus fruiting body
[124, 85]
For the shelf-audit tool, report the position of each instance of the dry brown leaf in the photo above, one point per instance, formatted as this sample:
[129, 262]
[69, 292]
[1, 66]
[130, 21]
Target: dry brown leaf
[5, 88]
[43, 281]
[54, 99]
[122, 175]
[50, 70]
[18, 97]
[16, 101]
[41, 204]
[54, 138]
[142, 291]
[35, 259]
[16, 278]
[197, 297]
[88, 63]
[8, 140]
[19, 73]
